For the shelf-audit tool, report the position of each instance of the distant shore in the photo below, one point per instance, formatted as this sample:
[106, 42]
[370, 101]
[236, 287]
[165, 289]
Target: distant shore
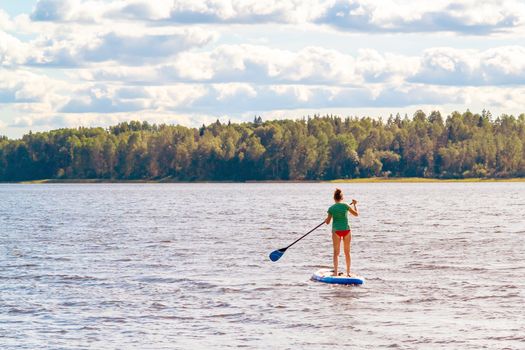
[424, 179]
[357, 180]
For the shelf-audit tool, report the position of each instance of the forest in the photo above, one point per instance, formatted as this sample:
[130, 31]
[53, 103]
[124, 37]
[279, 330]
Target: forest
[462, 145]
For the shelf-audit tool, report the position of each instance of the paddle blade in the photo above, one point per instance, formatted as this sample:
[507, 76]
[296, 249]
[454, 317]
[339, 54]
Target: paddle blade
[276, 254]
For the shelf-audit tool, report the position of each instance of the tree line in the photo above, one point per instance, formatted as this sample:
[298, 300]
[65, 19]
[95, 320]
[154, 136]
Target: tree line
[462, 145]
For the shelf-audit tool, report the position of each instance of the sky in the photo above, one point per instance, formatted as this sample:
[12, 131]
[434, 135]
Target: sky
[70, 63]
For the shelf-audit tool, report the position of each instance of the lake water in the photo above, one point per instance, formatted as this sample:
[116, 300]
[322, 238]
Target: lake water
[185, 266]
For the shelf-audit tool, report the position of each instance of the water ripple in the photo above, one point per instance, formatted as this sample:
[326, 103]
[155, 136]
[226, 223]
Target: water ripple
[178, 266]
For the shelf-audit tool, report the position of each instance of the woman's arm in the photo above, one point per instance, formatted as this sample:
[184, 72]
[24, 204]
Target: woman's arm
[328, 219]
[353, 211]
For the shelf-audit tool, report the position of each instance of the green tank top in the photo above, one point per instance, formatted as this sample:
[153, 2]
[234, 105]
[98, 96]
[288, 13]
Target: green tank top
[339, 212]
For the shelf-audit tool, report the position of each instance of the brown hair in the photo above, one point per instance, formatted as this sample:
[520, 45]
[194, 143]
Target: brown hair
[338, 194]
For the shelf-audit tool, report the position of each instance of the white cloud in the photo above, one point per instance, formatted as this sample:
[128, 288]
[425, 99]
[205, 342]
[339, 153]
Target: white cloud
[246, 11]
[263, 65]
[245, 77]
[134, 49]
[96, 11]
[22, 122]
[83, 11]
[231, 92]
[448, 66]
[105, 98]
[193, 104]
[20, 86]
[504, 65]
[497, 66]
[76, 62]
[373, 66]
[176, 97]
[12, 50]
[101, 98]
[142, 9]
[396, 16]
[320, 66]
[467, 17]
[125, 74]
[51, 10]
[228, 98]
[78, 48]
[5, 21]
[245, 63]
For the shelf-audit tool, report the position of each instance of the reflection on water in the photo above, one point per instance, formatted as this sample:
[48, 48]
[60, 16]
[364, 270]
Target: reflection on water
[176, 266]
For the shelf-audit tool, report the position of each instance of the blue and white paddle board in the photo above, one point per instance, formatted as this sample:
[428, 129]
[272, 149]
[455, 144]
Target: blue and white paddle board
[325, 276]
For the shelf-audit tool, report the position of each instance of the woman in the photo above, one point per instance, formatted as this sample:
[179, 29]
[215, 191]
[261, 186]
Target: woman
[340, 228]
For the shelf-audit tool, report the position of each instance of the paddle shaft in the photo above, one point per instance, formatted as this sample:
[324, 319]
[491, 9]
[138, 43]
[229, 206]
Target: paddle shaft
[306, 234]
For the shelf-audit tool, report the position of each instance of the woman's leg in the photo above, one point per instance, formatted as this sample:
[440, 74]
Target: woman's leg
[337, 245]
[346, 242]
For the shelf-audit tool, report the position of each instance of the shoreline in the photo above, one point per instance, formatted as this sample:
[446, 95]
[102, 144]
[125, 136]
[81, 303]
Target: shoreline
[349, 181]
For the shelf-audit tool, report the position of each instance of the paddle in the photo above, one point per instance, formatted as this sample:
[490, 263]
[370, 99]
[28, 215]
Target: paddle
[276, 254]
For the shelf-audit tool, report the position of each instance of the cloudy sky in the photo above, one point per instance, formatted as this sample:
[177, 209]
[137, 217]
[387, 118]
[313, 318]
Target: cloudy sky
[65, 63]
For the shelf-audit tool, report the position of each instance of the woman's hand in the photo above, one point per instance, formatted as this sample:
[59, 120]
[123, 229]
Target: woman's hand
[353, 210]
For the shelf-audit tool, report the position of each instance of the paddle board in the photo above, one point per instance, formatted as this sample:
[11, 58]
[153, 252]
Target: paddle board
[325, 275]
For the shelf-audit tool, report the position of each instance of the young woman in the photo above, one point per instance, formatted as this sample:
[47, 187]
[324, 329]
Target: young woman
[340, 228]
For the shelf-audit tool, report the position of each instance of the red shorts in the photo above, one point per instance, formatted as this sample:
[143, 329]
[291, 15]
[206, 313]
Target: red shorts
[342, 233]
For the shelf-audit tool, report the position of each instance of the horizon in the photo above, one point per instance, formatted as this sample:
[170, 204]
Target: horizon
[66, 64]
[382, 118]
